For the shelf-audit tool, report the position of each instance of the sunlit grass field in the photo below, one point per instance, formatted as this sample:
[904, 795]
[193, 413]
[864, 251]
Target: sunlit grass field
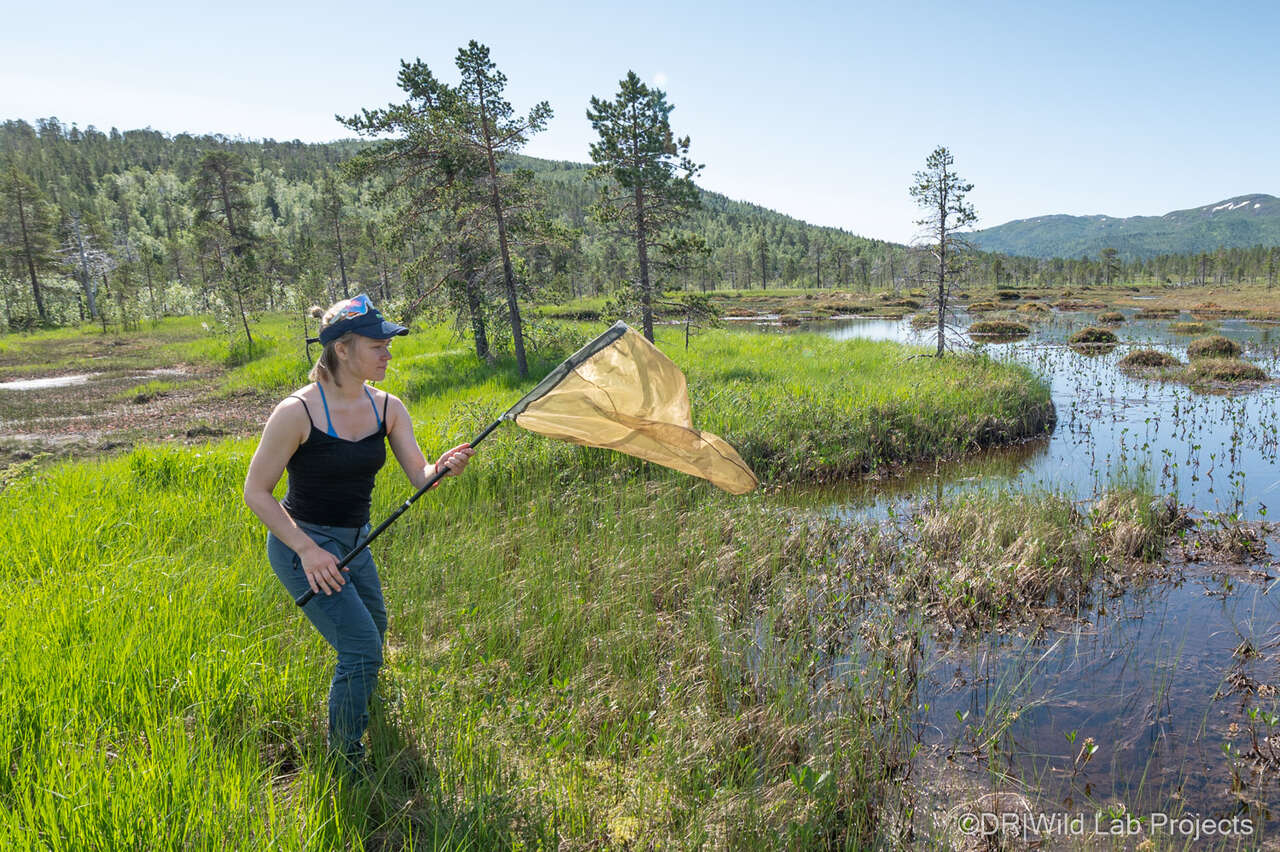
[584, 650]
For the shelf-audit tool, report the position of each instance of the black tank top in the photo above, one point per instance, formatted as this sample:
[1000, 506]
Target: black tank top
[331, 478]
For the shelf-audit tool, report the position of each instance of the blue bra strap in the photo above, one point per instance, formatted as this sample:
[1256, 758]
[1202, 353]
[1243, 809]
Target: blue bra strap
[374, 407]
[328, 419]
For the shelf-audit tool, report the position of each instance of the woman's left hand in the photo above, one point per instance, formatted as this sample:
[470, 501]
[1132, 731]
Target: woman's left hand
[455, 461]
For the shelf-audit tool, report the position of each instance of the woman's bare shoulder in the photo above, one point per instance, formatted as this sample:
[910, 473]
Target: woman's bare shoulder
[392, 405]
[292, 411]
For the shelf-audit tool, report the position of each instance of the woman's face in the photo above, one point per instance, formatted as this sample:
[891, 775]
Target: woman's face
[367, 358]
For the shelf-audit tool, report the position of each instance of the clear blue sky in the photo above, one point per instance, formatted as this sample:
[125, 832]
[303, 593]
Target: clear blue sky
[819, 110]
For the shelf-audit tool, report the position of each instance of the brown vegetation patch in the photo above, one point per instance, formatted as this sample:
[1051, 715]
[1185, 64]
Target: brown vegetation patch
[1230, 370]
[1213, 346]
[1111, 317]
[1000, 328]
[1147, 359]
[1093, 334]
[1213, 309]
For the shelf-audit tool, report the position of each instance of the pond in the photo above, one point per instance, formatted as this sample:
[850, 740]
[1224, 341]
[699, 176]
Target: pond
[45, 383]
[1169, 683]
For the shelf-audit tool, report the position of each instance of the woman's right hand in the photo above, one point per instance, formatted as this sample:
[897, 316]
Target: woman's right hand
[321, 568]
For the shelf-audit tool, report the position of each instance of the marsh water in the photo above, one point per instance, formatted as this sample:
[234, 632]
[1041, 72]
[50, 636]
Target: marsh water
[1166, 679]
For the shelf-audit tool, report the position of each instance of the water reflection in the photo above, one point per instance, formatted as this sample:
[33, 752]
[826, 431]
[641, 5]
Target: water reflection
[1217, 452]
[1155, 677]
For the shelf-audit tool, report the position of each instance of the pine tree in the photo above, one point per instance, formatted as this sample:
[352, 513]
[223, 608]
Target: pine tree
[493, 129]
[941, 193]
[26, 231]
[219, 193]
[431, 178]
[649, 179]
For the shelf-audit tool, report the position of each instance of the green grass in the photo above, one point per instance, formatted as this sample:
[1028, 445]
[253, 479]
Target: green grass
[583, 648]
[1196, 327]
[571, 659]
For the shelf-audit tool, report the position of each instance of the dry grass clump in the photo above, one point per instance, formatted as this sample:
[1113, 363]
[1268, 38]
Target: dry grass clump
[1008, 295]
[1148, 358]
[990, 556]
[1213, 346]
[1130, 525]
[1111, 317]
[1189, 327]
[924, 320]
[1206, 370]
[1093, 334]
[1035, 308]
[998, 328]
[982, 307]
[901, 303]
[1077, 305]
[1157, 313]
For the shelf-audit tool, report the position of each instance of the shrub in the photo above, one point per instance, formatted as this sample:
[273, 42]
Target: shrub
[1213, 346]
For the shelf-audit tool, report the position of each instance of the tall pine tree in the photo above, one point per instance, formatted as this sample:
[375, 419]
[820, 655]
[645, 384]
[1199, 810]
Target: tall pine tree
[494, 130]
[26, 231]
[941, 193]
[649, 180]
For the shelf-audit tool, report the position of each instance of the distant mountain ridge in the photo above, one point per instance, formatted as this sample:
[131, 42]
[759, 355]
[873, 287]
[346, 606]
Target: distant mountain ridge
[1240, 222]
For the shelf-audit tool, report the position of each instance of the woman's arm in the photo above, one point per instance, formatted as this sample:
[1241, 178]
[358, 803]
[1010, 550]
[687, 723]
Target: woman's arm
[280, 438]
[409, 454]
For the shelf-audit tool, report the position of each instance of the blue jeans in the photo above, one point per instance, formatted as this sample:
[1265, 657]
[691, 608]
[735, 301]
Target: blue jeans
[353, 621]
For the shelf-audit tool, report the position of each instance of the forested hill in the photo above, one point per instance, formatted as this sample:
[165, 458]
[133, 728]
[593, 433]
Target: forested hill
[130, 192]
[1240, 222]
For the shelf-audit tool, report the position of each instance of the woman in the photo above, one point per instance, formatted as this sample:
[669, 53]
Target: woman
[329, 436]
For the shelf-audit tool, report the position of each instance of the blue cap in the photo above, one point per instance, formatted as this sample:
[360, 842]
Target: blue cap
[360, 316]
